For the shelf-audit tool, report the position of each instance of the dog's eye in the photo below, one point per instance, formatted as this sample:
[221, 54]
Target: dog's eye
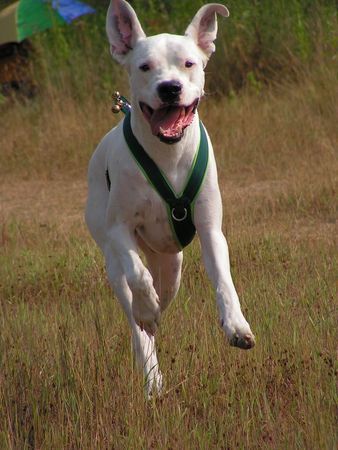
[144, 67]
[189, 64]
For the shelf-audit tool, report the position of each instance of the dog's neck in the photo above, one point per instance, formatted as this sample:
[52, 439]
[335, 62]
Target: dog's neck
[167, 156]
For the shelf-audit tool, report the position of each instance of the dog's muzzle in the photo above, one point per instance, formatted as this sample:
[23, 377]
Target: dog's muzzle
[170, 120]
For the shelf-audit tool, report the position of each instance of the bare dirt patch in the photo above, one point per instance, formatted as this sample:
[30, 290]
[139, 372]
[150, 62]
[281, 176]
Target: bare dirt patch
[59, 202]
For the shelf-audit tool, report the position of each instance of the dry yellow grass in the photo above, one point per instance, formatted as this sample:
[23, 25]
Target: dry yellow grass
[67, 379]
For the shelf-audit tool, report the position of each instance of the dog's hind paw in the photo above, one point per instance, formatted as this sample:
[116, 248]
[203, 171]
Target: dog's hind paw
[153, 386]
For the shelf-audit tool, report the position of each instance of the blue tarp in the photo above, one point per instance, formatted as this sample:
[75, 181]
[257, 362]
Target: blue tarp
[71, 9]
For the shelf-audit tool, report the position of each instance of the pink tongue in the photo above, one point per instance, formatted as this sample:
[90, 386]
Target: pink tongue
[166, 120]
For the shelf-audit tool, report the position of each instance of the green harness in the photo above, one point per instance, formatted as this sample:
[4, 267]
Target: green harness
[180, 207]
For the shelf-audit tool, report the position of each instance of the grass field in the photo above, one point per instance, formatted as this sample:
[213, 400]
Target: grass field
[67, 376]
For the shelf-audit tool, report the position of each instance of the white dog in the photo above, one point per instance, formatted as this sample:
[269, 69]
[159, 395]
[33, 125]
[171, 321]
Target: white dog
[128, 213]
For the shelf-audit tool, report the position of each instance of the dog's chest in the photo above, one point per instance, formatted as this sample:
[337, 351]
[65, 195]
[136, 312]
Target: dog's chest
[138, 203]
[153, 226]
[145, 211]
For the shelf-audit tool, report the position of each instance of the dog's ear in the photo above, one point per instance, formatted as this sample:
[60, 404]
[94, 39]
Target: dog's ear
[203, 28]
[123, 29]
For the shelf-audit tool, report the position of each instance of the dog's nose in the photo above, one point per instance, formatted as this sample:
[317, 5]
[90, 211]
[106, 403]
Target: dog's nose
[169, 91]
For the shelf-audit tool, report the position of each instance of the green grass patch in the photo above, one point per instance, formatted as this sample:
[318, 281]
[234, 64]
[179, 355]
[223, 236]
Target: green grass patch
[68, 377]
[261, 42]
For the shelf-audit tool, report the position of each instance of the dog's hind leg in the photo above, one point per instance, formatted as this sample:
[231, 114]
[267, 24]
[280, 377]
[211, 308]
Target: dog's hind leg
[98, 195]
[143, 344]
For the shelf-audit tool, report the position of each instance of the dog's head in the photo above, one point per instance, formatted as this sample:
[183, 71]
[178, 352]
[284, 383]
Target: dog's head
[166, 71]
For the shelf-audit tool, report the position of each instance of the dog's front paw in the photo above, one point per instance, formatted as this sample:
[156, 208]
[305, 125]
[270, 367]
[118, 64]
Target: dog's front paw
[147, 313]
[239, 334]
[145, 305]
[244, 342]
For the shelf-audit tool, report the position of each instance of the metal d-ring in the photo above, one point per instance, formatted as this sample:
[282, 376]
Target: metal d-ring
[179, 219]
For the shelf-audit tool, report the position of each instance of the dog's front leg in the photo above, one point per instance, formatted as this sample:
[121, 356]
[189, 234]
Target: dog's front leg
[216, 260]
[143, 344]
[145, 302]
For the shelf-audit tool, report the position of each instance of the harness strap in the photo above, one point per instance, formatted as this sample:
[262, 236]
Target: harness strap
[179, 207]
[108, 180]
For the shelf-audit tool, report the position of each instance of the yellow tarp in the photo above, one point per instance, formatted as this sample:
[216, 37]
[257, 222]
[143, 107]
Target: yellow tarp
[8, 31]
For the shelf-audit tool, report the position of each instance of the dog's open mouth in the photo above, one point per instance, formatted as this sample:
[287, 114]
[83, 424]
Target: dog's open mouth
[169, 121]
